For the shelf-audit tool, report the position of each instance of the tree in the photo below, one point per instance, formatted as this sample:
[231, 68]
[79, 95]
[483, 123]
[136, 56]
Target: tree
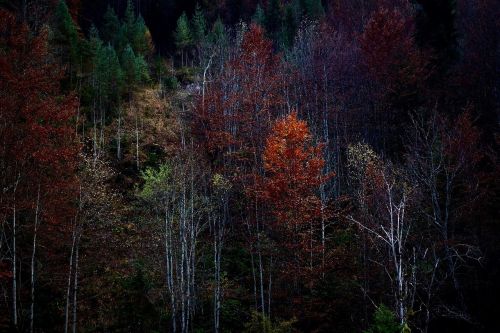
[183, 37]
[289, 27]
[64, 38]
[259, 17]
[111, 27]
[314, 9]
[38, 154]
[274, 19]
[198, 26]
[293, 173]
[384, 321]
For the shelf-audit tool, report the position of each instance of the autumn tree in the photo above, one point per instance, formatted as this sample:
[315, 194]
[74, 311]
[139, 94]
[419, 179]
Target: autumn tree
[38, 160]
[293, 168]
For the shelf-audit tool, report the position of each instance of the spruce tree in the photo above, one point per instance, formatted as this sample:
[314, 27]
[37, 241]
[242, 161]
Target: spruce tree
[314, 9]
[128, 67]
[289, 27]
[108, 76]
[198, 25]
[274, 19]
[111, 27]
[259, 17]
[64, 36]
[182, 35]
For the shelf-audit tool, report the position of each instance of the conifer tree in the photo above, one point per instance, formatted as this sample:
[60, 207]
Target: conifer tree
[274, 19]
[314, 9]
[199, 25]
[182, 35]
[128, 67]
[259, 17]
[65, 37]
[289, 27]
[218, 33]
[111, 27]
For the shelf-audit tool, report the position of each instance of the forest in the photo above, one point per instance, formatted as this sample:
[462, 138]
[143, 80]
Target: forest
[254, 166]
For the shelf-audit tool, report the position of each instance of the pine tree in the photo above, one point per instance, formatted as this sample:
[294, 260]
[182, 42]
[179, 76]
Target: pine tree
[65, 37]
[141, 69]
[128, 67]
[274, 19]
[198, 25]
[218, 33]
[111, 27]
[141, 39]
[182, 35]
[289, 27]
[109, 76]
[259, 17]
[314, 9]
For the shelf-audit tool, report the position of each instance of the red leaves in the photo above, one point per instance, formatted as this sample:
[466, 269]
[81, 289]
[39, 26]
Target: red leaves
[293, 173]
[39, 147]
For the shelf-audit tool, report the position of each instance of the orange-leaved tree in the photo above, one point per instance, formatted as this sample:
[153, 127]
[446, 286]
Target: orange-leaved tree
[293, 167]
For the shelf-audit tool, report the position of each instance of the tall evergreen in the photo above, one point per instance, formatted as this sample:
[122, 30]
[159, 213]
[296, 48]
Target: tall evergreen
[64, 37]
[128, 67]
[274, 19]
[109, 76]
[198, 25]
[314, 9]
[259, 17]
[111, 27]
[140, 42]
[289, 27]
[183, 36]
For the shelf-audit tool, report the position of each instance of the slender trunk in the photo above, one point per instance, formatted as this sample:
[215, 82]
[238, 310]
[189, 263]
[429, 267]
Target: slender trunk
[137, 138]
[14, 270]
[119, 136]
[75, 286]
[35, 229]
[68, 286]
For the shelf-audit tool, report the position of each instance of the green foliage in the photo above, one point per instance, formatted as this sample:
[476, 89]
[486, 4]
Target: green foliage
[384, 321]
[182, 33]
[111, 27]
[128, 66]
[140, 42]
[289, 27]
[198, 25]
[314, 9]
[218, 34]
[259, 17]
[141, 69]
[274, 18]
[262, 324]
[155, 181]
[108, 75]
[64, 35]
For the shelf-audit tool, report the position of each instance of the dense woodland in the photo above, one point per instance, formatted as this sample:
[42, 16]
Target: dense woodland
[249, 166]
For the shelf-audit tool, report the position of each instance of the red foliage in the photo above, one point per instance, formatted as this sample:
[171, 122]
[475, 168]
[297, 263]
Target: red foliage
[293, 173]
[38, 147]
[238, 108]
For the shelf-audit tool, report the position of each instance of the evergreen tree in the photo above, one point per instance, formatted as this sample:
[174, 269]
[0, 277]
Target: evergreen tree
[274, 18]
[64, 37]
[218, 33]
[108, 76]
[259, 17]
[182, 35]
[314, 9]
[198, 25]
[128, 67]
[111, 27]
[141, 69]
[384, 321]
[289, 27]
[141, 39]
